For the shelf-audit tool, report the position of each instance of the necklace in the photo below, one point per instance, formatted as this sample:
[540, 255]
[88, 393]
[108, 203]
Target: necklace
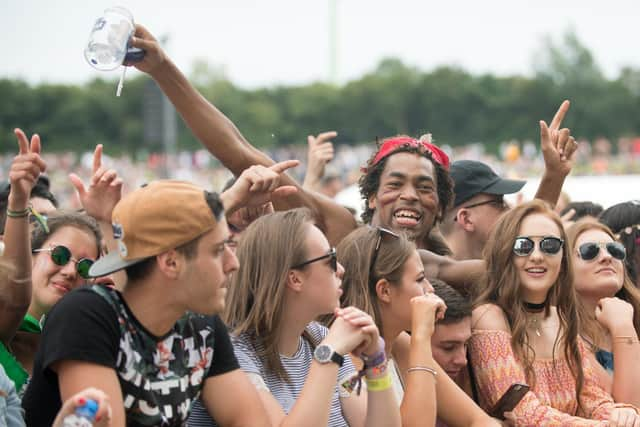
[535, 325]
[534, 307]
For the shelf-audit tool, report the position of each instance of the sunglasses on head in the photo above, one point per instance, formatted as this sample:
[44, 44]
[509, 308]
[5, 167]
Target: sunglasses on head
[61, 255]
[590, 250]
[333, 260]
[524, 245]
[381, 233]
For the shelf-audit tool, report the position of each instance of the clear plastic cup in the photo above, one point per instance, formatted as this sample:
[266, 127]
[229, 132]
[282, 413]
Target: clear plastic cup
[109, 39]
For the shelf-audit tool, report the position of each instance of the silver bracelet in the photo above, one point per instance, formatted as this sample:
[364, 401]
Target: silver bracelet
[424, 369]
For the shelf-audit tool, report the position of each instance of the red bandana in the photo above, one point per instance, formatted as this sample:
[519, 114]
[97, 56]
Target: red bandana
[391, 145]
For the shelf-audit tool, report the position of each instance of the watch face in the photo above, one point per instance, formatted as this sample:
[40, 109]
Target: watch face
[323, 353]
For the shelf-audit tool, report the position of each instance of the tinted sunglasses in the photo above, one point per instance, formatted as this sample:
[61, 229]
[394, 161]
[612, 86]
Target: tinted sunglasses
[61, 255]
[524, 245]
[333, 260]
[590, 250]
[381, 233]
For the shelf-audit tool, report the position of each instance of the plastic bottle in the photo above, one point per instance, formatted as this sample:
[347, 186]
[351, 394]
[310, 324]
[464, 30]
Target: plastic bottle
[84, 416]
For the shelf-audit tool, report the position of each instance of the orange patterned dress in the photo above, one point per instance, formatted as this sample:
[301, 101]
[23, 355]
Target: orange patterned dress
[552, 401]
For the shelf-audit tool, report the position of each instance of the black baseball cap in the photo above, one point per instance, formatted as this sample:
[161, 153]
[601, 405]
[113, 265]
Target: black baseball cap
[471, 177]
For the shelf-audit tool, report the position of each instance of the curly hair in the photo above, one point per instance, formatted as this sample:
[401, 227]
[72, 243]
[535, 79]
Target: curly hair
[369, 182]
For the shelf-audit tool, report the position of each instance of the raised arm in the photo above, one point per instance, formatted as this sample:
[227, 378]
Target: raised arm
[15, 295]
[319, 154]
[462, 275]
[558, 147]
[221, 137]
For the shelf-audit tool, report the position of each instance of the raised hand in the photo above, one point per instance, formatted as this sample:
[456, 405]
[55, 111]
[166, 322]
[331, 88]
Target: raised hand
[154, 55]
[25, 170]
[367, 327]
[319, 154]
[615, 315]
[257, 185]
[104, 191]
[425, 311]
[557, 144]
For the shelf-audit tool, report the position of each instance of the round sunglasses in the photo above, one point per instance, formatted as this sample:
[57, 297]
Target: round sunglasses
[61, 255]
[590, 250]
[524, 245]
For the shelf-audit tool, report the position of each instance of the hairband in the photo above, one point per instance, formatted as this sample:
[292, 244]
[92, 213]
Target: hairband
[393, 144]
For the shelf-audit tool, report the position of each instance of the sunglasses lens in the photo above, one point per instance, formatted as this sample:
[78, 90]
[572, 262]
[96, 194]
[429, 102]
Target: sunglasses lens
[588, 251]
[60, 255]
[83, 267]
[550, 245]
[523, 246]
[617, 250]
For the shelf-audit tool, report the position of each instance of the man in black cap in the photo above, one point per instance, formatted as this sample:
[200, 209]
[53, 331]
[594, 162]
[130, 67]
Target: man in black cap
[478, 204]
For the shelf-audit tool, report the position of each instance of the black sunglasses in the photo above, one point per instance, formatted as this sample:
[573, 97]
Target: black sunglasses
[590, 250]
[333, 260]
[61, 255]
[381, 232]
[500, 204]
[524, 245]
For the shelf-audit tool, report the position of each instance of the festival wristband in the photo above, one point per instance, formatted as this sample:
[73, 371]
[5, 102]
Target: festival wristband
[379, 384]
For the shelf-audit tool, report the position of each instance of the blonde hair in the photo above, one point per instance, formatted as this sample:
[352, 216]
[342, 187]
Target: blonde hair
[268, 249]
[501, 286]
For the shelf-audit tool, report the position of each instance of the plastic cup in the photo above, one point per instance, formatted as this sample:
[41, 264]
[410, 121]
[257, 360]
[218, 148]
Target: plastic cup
[109, 39]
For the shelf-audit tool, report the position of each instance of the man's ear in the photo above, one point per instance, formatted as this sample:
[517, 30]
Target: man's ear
[171, 263]
[463, 217]
[371, 202]
[383, 290]
[294, 280]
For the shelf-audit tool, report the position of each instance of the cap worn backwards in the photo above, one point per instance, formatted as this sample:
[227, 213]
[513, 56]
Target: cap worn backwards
[154, 219]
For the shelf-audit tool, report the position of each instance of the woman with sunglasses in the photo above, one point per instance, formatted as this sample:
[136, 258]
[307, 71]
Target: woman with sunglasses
[612, 306]
[526, 327]
[44, 268]
[384, 275]
[288, 277]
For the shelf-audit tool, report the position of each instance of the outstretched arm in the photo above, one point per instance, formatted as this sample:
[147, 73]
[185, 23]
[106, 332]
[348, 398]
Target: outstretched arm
[221, 137]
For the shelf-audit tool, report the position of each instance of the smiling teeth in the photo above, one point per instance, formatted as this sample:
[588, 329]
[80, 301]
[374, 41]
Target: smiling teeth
[407, 214]
[536, 270]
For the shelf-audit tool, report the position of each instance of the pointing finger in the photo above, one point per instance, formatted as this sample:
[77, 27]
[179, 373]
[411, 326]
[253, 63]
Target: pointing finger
[23, 142]
[35, 146]
[283, 166]
[557, 119]
[97, 158]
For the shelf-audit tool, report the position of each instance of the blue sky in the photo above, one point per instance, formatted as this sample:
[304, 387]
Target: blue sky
[263, 43]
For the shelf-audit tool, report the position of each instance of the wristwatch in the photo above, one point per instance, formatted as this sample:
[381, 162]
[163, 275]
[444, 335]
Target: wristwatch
[325, 354]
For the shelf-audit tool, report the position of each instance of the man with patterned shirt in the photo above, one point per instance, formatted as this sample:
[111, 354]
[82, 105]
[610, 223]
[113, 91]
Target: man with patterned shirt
[157, 345]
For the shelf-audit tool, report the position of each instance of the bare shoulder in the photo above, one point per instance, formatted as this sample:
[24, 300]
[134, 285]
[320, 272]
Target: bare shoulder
[489, 317]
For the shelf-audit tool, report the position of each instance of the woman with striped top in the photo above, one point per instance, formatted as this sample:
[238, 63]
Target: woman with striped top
[288, 277]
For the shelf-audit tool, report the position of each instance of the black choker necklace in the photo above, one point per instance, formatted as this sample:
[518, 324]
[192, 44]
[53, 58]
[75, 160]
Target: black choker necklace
[534, 307]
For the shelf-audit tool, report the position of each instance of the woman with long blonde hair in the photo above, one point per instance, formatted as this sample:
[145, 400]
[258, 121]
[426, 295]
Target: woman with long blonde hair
[612, 304]
[526, 327]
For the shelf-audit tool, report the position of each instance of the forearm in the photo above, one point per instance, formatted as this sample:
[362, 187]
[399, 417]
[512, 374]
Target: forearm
[626, 375]
[550, 187]
[382, 409]
[212, 128]
[418, 407]
[15, 293]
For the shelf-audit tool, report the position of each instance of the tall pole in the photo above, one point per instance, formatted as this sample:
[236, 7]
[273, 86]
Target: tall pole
[333, 41]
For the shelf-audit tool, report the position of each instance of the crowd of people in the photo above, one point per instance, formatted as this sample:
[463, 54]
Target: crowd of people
[269, 303]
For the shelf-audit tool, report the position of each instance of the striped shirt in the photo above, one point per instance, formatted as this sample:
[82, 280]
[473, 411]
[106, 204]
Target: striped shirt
[286, 393]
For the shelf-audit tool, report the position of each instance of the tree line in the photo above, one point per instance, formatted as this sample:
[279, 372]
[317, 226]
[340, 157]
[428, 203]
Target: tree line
[454, 105]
